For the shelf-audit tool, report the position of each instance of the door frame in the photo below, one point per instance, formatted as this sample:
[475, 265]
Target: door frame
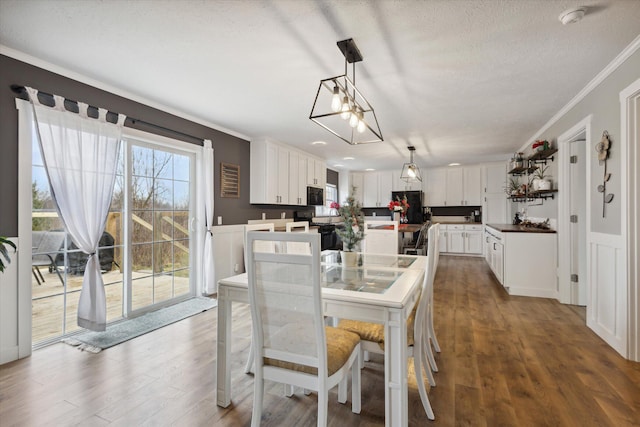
[630, 189]
[564, 205]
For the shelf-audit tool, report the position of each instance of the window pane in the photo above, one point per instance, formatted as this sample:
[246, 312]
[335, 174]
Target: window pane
[181, 195]
[163, 194]
[141, 192]
[142, 227]
[162, 164]
[181, 167]
[141, 260]
[142, 292]
[142, 161]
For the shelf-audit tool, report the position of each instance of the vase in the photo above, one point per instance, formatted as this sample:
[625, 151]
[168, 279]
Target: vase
[396, 216]
[349, 259]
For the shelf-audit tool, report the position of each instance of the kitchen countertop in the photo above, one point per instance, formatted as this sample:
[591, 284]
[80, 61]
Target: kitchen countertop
[458, 222]
[510, 228]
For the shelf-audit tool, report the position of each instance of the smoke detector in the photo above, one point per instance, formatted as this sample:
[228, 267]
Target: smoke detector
[573, 15]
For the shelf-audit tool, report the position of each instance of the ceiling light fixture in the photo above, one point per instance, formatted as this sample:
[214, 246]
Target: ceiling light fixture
[573, 15]
[411, 171]
[339, 106]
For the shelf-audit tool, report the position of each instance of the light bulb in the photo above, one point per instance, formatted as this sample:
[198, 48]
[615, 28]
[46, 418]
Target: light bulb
[336, 103]
[361, 125]
[346, 110]
[411, 171]
[353, 120]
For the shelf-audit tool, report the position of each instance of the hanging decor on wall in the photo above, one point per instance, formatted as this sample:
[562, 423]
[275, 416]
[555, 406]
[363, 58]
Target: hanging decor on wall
[602, 148]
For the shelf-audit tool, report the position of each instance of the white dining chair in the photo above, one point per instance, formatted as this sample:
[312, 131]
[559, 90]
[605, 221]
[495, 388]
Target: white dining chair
[297, 227]
[292, 344]
[264, 247]
[372, 339]
[378, 240]
[433, 251]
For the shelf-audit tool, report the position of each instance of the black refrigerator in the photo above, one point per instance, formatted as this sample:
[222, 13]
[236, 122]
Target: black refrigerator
[414, 198]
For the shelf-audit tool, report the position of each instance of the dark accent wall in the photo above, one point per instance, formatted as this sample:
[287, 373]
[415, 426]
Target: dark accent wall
[227, 148]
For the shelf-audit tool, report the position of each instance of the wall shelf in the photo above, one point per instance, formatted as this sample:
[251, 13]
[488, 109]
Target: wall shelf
[537, 158]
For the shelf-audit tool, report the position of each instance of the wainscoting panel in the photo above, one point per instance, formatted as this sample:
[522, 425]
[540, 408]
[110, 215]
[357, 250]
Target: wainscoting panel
[9, 309]
[607, 305]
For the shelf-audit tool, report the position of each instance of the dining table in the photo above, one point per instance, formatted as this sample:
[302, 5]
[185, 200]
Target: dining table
[379, 289]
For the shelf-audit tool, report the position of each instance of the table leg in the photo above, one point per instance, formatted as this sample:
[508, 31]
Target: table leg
[395, 370]
[223, 397]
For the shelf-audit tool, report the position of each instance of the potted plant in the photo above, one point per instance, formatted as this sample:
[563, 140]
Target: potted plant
[4, 252]
[513, 187]
[541, 179]
[352, 231]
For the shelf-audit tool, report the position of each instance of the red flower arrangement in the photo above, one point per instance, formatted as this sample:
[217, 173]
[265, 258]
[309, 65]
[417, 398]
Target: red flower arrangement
[334, 205]
[399, 205]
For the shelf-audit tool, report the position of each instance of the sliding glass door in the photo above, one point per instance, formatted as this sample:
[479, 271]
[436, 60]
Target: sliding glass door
[146, 251]
[161, 189]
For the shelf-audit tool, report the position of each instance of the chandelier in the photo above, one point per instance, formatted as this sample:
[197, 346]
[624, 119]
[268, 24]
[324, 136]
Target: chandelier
[341, 108]
[410, 171]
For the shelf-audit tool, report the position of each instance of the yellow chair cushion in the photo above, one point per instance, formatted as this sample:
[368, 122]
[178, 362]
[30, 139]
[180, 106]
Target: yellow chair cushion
[340, 345]
[374, 332]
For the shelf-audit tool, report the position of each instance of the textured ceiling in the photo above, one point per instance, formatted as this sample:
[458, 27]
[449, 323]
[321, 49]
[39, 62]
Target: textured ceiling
[463, 81]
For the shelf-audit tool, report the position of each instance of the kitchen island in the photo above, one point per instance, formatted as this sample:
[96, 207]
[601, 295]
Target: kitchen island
[523, 259]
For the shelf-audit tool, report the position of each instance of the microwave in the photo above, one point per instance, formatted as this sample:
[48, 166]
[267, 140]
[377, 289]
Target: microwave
[315, 196]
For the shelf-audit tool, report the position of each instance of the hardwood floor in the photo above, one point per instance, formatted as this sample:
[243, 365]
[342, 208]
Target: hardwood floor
[505, 361]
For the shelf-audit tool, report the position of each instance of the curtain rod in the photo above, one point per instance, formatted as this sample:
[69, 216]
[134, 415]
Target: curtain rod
[20, 90]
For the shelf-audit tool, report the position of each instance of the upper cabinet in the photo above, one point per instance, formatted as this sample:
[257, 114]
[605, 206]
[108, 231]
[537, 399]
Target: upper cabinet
[400, 185]
[279, 174]
[472, 186]
[316, 173]
[297, 181]
[376, 192]
[459, 186]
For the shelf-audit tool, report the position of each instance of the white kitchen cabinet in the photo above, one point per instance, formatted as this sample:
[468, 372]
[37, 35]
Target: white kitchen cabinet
[495, 178]
[297, 181]
[316, 173]
[473, 239]
[463, 239]
[400, 185]
[455, 239]
[376, 189]
[435, 187]
[269, 172]
[442, 241]
[453, 186]
[525, 263]
[455, 182]
[472, 186]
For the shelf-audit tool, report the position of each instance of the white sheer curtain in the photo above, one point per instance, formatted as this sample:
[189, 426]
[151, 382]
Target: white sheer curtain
[209, 285]
[80, 155]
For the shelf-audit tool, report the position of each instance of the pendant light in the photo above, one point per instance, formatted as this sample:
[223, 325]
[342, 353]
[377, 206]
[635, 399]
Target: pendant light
[340, 107]
[411, 171]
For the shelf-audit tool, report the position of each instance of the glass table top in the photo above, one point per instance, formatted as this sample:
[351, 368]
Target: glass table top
[370, 260]
[358, 279]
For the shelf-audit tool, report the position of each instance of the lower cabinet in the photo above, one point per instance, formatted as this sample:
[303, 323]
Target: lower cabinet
[461, 239]
[525, 263]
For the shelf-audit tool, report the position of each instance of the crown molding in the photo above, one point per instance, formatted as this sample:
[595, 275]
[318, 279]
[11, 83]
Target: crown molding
[599, 78]
[37, 62]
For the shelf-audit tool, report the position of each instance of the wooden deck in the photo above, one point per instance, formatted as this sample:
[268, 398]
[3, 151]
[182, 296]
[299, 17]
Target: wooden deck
[48, 300]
